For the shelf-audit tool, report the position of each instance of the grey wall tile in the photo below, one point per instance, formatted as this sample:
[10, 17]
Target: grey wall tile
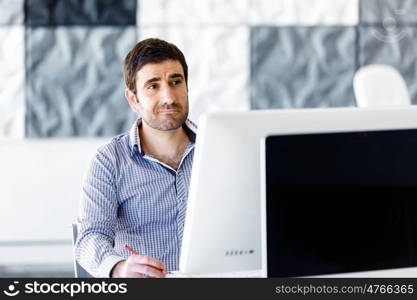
[12, 78]
[11, 12]
[389, 12]
[398, 49]
[294, 67]
[74, 81]
[80, 12]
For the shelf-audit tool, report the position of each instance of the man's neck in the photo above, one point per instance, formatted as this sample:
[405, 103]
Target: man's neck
[167, 146]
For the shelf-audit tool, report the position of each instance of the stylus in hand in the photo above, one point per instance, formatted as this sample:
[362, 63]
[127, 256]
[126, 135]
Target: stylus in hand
[131, 250]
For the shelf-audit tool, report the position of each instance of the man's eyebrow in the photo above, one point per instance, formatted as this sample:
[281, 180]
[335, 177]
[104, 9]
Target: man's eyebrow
[176, 75]
[151, 80]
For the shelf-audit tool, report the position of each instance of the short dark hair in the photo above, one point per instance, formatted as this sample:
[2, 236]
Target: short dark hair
[150, 51]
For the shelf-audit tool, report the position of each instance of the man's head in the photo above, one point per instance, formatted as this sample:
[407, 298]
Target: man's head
[156, 75]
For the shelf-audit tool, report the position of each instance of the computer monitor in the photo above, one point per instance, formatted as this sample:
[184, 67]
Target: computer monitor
[222, 231]
[338, 196]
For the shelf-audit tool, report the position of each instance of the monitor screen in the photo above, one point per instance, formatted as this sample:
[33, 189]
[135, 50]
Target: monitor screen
[341, 202]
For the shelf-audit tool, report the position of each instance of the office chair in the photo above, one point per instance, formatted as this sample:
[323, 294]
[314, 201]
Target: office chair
[380, 85]
[79, 271]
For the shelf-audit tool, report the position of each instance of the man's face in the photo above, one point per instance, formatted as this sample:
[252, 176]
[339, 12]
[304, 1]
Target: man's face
[162, 95]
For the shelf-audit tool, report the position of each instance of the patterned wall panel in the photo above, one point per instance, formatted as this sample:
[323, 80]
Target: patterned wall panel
[388, 35]
[389, 12]
[398, 49]
[302, 67]
[81, 12]
[254, 12]
[75, 82]
[11, 12]
[303, 12]
[12, 101]
[214, 38]
[12, 76]
[74, 60]
[191, 12]
[217, 59]
[233, 48]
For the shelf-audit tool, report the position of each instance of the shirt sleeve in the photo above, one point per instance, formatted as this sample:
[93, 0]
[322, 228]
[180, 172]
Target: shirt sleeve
[94, 247]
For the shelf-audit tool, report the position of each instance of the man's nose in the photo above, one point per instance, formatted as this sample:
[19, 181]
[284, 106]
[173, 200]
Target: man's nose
[168, 96]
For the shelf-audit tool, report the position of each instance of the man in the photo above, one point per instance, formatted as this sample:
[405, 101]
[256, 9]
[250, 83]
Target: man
[135, 193]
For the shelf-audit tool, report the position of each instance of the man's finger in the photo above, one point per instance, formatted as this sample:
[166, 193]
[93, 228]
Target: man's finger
[136, 275]
[147, 260]
[148, 271]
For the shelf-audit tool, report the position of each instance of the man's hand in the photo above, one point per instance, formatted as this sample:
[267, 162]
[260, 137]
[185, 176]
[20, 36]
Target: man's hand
[139, 266]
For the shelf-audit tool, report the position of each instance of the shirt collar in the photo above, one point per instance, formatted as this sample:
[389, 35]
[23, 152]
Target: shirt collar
[134, 139]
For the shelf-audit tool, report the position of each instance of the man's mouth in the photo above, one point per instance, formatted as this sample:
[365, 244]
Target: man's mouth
[168, 111]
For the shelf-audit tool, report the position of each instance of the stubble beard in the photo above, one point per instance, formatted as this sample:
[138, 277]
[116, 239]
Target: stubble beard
[168, 123]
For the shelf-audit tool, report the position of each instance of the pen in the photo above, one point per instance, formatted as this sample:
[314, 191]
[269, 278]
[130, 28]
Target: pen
[131, 250]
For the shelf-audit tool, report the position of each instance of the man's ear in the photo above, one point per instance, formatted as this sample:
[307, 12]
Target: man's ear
[132, 99]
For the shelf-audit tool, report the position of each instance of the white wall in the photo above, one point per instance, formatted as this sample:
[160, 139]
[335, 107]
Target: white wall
[40, 185]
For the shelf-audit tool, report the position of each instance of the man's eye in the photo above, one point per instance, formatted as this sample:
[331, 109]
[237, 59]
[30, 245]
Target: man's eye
[152, 86]
[175, 82]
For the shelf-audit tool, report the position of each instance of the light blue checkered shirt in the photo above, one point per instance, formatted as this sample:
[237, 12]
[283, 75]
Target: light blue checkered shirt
[130, 198]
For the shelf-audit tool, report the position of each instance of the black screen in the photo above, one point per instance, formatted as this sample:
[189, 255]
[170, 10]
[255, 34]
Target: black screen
[341, 202]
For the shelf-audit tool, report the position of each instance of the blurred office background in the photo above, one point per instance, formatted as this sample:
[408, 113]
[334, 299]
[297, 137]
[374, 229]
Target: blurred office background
[61, 86]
